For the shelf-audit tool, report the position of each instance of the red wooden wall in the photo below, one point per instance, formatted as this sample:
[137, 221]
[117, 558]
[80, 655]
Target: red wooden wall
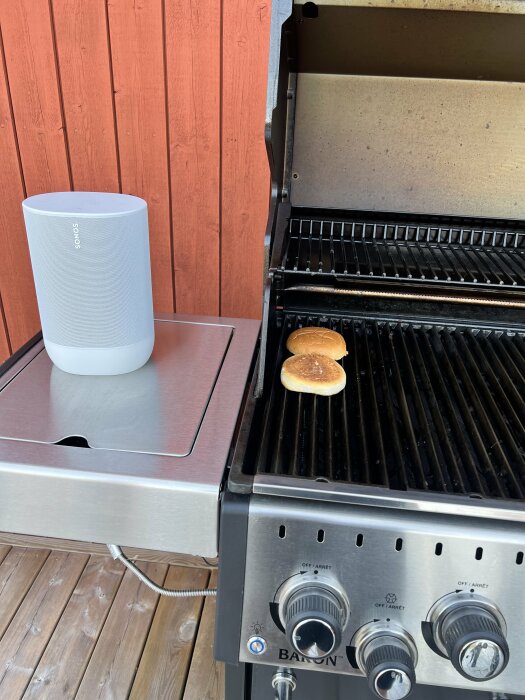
[163, 99]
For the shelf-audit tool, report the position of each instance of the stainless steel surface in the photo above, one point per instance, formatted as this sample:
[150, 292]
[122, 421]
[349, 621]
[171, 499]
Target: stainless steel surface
[442, 608]
[392, 684]
[407, 296]
[157, 409]
[409, 144]
[305, 580]
[482, 659]
[460, 624]
[385, 580]
[418, 501]
[377, 632]
[284, 684]
[505, 6]
[307, 638]
[386, 653]
[136, 499]
[314, 617]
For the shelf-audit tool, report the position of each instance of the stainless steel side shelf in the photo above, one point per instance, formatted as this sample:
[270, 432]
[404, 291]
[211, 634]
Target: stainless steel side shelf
[136, 459]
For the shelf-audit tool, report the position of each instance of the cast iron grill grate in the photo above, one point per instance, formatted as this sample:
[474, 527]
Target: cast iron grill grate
[419, 253]
[426, 407]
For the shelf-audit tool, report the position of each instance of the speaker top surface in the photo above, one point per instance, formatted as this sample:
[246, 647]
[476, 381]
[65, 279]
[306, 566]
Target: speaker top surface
[84, 204]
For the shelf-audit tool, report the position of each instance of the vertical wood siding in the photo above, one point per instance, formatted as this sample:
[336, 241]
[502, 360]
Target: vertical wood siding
[163, 99]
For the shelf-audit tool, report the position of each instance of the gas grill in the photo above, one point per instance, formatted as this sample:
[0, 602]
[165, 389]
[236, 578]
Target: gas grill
[372, 543]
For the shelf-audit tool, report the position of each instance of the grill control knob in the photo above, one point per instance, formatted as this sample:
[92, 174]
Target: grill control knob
[475, 643]
[470, 630]
[387, 655]
[314, 619]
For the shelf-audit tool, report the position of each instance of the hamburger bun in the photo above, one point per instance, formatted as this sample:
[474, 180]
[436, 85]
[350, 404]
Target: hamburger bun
[320, 341]
[313, 374]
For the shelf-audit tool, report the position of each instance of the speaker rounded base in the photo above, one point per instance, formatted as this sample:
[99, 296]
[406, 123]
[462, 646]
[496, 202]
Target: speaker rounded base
[100, 361]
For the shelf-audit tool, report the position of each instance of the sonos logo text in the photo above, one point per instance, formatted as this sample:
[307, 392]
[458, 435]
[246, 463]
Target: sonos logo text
[76, 236]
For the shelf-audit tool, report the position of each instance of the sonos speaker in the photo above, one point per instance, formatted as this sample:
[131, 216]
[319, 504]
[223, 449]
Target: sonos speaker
[90, 258]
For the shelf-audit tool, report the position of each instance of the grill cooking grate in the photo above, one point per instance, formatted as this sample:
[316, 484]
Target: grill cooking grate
[428, 253]
[425, 407]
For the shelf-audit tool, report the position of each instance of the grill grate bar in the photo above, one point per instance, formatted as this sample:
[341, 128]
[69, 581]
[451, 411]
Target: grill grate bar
[278, 462]
[425, 407]
[448, 254]
[420, 478]
[297, 435]
[503, 387]
[426, 441]
[496, 262]
[457, 429]
[328, 441]
[443, 441]
[444, 274]
[513, 363]
[312, 458]
[507, 261]
[380, 475]
[344, 436]
[407, 251]
[402, 258]
[497, 418]
[360, 422]
[389, 410]
[458, 384]
[477, 262]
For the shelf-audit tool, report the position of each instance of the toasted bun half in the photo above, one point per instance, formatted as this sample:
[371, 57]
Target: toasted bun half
[313, 374]
[314, 340]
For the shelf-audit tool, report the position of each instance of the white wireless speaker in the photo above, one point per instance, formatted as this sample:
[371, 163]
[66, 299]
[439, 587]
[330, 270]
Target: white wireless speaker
[90, 258]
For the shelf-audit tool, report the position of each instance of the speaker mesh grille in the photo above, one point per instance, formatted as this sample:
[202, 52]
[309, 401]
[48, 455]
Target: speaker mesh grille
[92, 277]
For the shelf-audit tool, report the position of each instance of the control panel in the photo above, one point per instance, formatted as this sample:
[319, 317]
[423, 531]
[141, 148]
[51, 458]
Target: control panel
[397, 596]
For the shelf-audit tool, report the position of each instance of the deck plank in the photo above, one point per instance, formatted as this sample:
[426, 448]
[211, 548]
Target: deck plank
[133, 553]
[113, 665]
[18, 570]
[167, 654]
[64, 661]
[206, 676]
[26, 637]
[4, 551]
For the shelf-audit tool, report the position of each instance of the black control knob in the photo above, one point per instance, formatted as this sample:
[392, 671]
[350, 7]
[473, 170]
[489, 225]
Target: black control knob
[389, 667]
[314, 619]
[475, 643]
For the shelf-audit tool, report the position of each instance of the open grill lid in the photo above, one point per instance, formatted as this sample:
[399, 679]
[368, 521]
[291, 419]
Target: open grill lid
[394, 136]
[398, 223]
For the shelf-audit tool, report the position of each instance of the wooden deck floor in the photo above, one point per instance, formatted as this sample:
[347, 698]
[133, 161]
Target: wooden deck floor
[81, 626]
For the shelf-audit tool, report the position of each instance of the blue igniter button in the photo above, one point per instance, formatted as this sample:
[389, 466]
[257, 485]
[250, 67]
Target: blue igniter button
[257, 645]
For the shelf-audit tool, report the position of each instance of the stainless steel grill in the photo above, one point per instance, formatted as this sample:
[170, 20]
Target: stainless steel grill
[426, 407]
[380, 532]
[425, 252]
